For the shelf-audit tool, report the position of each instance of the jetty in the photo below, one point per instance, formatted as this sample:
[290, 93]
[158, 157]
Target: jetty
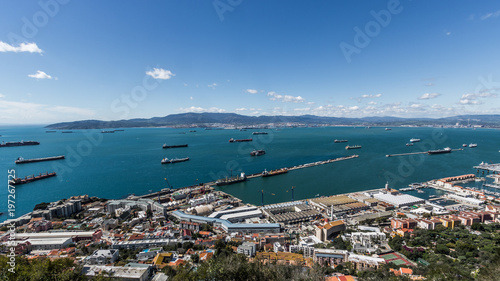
[21, 160]
[414, 153]
[488, 167]
[313, 164]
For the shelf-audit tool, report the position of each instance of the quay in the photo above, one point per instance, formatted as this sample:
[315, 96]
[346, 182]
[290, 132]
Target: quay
[414, 153]
[309, 165]
[488, 167]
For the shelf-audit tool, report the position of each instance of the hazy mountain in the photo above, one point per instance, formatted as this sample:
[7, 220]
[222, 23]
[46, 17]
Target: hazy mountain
[208, 119]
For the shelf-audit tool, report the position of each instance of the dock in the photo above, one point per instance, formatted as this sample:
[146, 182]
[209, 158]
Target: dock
[313, 164]
[414, 153]
[488, 167]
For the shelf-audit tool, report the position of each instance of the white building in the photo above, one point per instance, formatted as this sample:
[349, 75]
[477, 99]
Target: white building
[102, 257]
[399, 200]
[247, 248]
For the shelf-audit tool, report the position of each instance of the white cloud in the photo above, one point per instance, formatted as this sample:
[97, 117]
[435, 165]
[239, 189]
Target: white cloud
[371, 96]
[198, 109]
[23, 47]
[26, 112]
[354, 107]
[475, 98]
[285, 98]
[251, 91]
[468, 101]
[491, 15]
[160, 73]
[185, 84]
[191, 98]
[372, 103]
[2, 96]
[40, 75]
[428, 96]
[213, 85]
[240, 109]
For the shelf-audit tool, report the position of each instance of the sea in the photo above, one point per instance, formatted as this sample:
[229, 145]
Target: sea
[116, 165]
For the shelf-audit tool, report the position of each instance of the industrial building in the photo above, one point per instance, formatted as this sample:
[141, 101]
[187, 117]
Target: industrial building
[290, 212]
[399, 200]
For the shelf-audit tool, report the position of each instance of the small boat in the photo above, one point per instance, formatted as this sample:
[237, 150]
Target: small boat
[473, 145]
[409, 144]
[353, 147]
[175, 160]
[388, 129]
[257, 152]
[464, 145]
[259, 133]
[339, 141]
[414, 140]
[239, 140]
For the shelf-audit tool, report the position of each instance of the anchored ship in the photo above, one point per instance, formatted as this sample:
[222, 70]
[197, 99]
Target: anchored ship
[353, 147]
[439, 151]
[225, 181]
[338, 141]
[174, 146]
[175, 160]
[21, 160]
[265, 173]
[239, 140]
[258, 152]
[31, 178]
[259, 133]
[108, 132]
[19, 143]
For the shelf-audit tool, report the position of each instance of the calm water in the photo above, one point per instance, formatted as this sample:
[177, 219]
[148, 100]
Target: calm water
[116, 165]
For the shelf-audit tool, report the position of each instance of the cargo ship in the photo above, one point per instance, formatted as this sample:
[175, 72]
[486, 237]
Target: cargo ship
[339, 141]
[353, 147]
[21, 160]
[108, 132]
[259, 133]
[67, 132]
[265, 173]
[50, 131]
[174, 146]
[175, 160]
[239, 140]
[31, 178]
[231, 180]
[439, 151]
[19, 143]
[258, 152]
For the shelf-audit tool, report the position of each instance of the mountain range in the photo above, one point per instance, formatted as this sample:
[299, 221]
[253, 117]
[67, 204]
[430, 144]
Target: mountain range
[212, 119]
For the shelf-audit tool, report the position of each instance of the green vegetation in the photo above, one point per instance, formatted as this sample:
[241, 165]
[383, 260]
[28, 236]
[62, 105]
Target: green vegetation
[453, 254]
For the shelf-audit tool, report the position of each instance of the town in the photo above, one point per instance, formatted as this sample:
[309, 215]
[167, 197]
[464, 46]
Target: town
[163, 235]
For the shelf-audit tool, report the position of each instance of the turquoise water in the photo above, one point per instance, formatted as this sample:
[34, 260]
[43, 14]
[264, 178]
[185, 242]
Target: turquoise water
[116, 165]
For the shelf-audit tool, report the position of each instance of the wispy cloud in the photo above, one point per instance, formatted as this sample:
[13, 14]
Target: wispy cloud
[27, 112]
[491, 15]
[475, 98]
[40, 75]
[428, 96]
[285, 98]
[366, 96]
[213, 85]
[251, 91]
[23, 47]
[2, 96]
[160, 73]
[201, 109]
[241, 109]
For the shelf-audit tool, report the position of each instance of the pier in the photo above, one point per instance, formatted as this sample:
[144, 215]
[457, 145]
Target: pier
[313, 164]
[488, 167]
[414, 153]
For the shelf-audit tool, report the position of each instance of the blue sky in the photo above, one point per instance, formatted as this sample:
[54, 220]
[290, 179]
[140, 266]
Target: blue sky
[110, 60]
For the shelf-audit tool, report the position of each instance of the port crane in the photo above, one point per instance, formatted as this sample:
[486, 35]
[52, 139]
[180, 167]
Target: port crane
[262, 199]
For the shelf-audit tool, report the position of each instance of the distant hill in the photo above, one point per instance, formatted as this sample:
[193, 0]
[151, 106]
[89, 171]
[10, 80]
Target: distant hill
[209, 119]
